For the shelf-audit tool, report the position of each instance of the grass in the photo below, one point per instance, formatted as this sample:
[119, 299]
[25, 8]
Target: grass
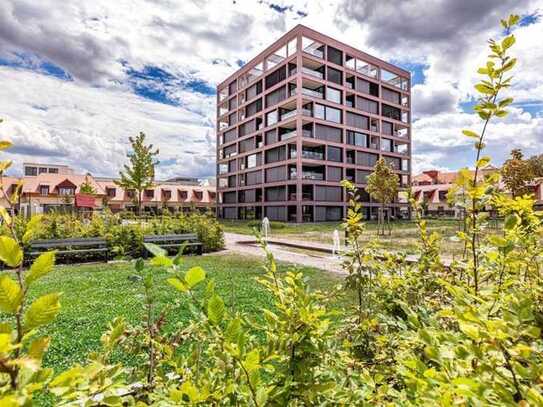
[95, 294]
[404, 235]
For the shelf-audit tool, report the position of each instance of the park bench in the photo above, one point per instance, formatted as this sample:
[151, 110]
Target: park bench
[81, 248]
[169, 242]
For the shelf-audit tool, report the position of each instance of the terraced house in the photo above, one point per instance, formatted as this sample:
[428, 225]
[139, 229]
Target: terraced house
[301, 116]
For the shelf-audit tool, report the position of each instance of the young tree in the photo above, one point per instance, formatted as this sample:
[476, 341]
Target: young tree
[383, 187]
[86, 187]
[517, 173]
[140, 173]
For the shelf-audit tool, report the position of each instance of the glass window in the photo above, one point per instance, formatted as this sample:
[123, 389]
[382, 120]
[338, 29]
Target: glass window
[334, 55]
[251, 161]
[386, 144]
[327, 113]
[334, 76]
[223, 168]
[334, 154]
[271, 118]
[357, 139]
[333, 115]
[318, 112]
[394, 79]
[333, 95]
[29, 171]
[65, 191]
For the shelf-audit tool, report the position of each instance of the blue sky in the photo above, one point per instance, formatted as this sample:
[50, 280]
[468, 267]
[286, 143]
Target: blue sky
[78, 80]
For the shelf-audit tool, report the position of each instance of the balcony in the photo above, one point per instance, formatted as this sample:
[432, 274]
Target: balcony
[288, 115]
[307, 133]
[312, 93]
[312, 72]
[288, 135]
[314, 52]
[401, 149]
[307, 112]
[312, 175]
[312, 155]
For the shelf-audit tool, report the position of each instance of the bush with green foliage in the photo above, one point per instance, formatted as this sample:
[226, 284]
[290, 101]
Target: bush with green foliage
[420, 334]
[126, 238]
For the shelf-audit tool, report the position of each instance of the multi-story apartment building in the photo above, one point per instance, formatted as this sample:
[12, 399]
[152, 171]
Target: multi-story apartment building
[306, 113]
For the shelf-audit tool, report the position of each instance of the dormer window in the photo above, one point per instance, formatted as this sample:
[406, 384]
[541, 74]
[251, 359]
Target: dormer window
[44, 190]
[66, 191]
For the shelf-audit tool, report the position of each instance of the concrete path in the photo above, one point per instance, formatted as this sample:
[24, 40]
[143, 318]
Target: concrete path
[245, 244]
[305, 253]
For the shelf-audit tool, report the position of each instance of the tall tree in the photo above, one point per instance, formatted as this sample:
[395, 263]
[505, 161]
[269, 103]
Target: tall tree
[86, 187]
[517, 173]
[383, 187]
[139, 174]
[536, 165]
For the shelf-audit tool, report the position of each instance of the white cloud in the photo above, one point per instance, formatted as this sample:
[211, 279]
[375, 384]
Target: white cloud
[88, 127]
[87, 121]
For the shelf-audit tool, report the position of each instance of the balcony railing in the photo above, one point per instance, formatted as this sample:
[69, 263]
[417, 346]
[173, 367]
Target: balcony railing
[312, 93]
[314, 52]
[313, 176]
[307, 112]
[307, 133]
[312, 72]
[288, 115]
[288, 135]
[312, 155]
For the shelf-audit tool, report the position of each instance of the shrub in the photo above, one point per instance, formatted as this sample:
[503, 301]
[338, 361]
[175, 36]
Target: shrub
[126, 238]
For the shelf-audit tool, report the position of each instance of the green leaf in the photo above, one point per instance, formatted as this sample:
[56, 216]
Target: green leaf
[233, 330]
[10, 252]
[5, 215]
[41, 266]
[10, 295]
[178, 284]
[508, 42]
[482, 88]
[470, 330]
[42, 311]
[161, 261]
[470, 133]
[215, 309]
[252, 360]
[195, 276]
[38, 347]
[483, 162]
[155, 250]
[32, 227]
[511, 221]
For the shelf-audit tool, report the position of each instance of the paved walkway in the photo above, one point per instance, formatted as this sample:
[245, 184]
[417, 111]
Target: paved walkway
[296, 251]
[246, 244]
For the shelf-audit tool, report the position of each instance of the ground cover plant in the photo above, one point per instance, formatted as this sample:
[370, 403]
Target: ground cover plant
[416, 334]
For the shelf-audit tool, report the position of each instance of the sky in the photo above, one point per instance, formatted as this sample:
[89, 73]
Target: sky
[77, 78]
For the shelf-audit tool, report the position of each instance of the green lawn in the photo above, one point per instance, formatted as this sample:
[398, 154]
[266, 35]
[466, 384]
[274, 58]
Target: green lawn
[95, 294]
[404, 233]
